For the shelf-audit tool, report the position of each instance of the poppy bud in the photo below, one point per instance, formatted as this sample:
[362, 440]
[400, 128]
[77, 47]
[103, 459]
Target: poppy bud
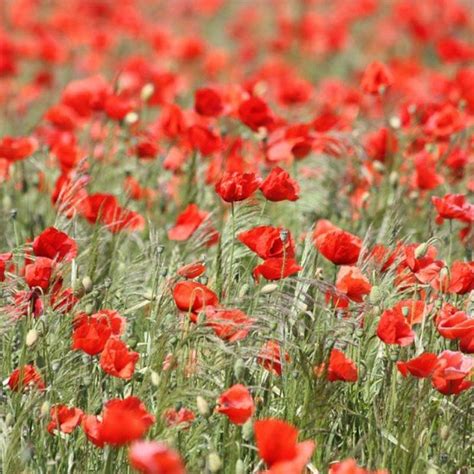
[155, 378]
[239, 467]
[239, 368]
[375, 294]
[283, 235]
[247, 430]
[214, 462]
[9, 419]
[395, 122]
[269, 288]
[444, 433]
[393, 178]
[44, 410]
[421, 250]
[31, 337]
[146, 92]
[131, 118]
[243, 291]
[202, 406]
[87, 284]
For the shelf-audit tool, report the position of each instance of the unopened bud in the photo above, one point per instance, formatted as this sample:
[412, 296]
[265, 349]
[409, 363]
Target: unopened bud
[202, 405]
[247, 430]
[405, 311]
[146, 92]
[421, 250]
[87, 284]
[131, 118]
[395, 122]
[155, 378]
[31, 337]
[375, 294]
[44, 410]
[444, 433]
[269, 288]
[393, 178]
[239, 467]
[214, 462]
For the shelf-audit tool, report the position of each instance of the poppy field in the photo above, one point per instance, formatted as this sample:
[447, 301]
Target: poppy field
[236, 236]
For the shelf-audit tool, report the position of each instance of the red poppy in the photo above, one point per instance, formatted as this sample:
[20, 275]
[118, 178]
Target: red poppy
[54, 244]
[187, 223]
[4, 259]
[278, 446]
[236, 186]
[237, 404]
[151, 457]
[25, 377]
[123, 421]
[340, 367]
[349, 466]
[268, 242]
[352, 283]
[91, 334]
[422, 268]
[183, 417]
[117, 360]
[393, 328]
[270, 357]
[204, 140]
[191, 270]
[192, 296]
[208, 102]
[454, 324]
[413, 310]
[452, 371]
[231, 325]
[276, 268]
[444, 122]
[376, 78]
[17, 148]
[381, 144]
[421, 366]
[254, 113]
[39, 273]
[337, 245]
[64, 419]
[426, 177]
[459, 280]
[453, 206]
[279, 186]
[63, 300]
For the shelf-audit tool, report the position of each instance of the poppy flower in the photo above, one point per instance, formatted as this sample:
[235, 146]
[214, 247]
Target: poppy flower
[231, 325]
[39, 273]
[426, 177]
[337, 245]
[4, 259]
[268, 242]
[204, 140]
[349, 466]
[278, 446]
[237, 404]
[17, 148]
[352, 283]
[193, 296]
[270, 357]
[63, 300]
[453, 206]
[459, 280]
[451, 373]
[91, 334]
[152, 457]
[393, 328]
[64, 419]
[54, 244]
[187, 223]
[182, 417]
[25, 377]
[381, 144]
[444, 122]
[276, 268]
[376, 78]
[208, 102]
[421, 366]
[235, 186]
[340, 367]
[122, 422]
[255, 113]
[191, 270]
[454, 324]
[279, 186]
[423, 268]
[117, 360]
